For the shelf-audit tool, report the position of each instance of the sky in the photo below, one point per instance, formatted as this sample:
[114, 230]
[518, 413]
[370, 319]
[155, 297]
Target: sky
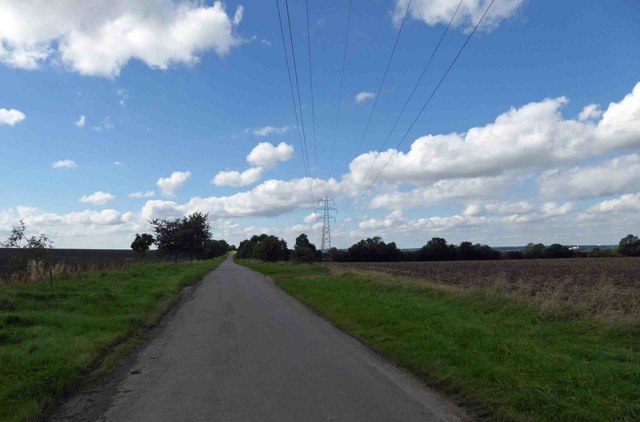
[115, 113]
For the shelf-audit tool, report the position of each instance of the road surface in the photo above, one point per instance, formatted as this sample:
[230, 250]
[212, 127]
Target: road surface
[239, 349]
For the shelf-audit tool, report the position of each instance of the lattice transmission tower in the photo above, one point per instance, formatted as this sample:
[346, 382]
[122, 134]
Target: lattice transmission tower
[326, 207]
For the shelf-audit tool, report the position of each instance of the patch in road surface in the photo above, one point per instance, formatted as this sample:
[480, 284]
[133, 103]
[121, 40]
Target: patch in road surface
[242, 350]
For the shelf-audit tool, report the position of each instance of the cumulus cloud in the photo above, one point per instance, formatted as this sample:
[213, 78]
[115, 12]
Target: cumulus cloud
[97, 198]
[526, 138]
[267, 155]
[10, 116]
[99, 40]
[64, 164]
[268, 199]
[592, 111]
[627, 202]
[271, 130]
[236, 179]
[363, 96]
[313, 217]
[390, 221]
[172, 184]
[440, 12]
[616, 176]
[142, 194]
[82, 120]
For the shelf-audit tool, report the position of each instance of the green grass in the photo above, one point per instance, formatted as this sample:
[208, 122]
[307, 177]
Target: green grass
[496, 355]
[51, 338]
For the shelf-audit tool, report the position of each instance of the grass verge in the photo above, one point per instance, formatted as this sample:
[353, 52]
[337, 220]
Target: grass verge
[498, 356]
[52, 337]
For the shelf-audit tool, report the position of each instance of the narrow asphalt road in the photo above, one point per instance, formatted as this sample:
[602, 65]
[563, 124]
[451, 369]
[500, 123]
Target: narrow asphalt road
[240, 349]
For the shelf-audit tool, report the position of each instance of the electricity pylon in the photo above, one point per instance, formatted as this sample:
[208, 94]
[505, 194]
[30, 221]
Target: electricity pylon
[326, 207]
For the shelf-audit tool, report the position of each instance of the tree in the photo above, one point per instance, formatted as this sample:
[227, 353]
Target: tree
[166, 237]
[32, 249]
[193, 234]
[437, 249]
[182, 236]
[303, 251]
[557, 250]
[214, 248]
[629, 245]
[264, 247]
[533, 251]
[141, 244]
[373, 249]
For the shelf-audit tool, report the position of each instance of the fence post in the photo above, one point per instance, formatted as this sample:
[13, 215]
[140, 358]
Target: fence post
[50, 277]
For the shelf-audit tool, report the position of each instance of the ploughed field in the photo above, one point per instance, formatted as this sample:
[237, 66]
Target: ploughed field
[607, 288]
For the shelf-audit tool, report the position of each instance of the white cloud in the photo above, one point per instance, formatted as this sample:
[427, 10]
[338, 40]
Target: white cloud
[269, 198]
[145, 194]
[64, 164]
[266, 155]
[172, 184]
[236, 179]
[616, 176]
[392, 220]
[311, 218]
[527, 138]
[118, 163]
[592, 111]
[627, 202]
[363, 96]
[440, 12]
[443, 191]
[271, 130]
[82, 120]
[98, 198]
[11, 116]
[100, 39]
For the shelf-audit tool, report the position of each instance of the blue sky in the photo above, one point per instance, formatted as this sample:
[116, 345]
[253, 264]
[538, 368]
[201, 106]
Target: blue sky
[533, 136]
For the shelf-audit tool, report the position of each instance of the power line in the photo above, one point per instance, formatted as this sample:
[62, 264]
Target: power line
[295, 72]
[384, 77]
[293, 99]
[428, 100]
[344, 60]
[313, 113]
[415, 87]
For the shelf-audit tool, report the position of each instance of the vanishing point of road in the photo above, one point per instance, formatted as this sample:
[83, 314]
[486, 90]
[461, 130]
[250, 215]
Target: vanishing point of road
[239, 349]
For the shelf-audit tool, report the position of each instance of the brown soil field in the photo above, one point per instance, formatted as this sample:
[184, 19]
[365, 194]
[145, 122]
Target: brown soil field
[607, 288]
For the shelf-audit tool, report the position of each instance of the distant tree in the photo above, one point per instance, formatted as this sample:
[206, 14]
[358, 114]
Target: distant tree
[264, 247]
[303, 251]
[166, 237]
[32, 249]
[629, 245]
[183, 236]
[338, 255]
[214, 248]
[557, 250]
[533, 251]
[437, 249]
[141, 244]
[373, 249]
[193, 233]
[271, 249]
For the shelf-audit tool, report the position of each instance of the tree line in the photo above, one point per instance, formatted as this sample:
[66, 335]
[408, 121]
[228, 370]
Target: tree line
[270, 248]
